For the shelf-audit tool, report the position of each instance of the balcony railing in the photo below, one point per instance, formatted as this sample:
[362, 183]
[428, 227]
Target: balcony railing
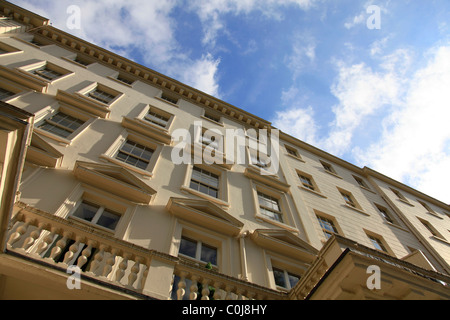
[62, 243]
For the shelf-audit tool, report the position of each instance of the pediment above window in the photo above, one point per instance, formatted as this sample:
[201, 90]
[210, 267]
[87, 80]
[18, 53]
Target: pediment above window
[266, 179]
[79, 101]
[22, 78]
[114, 179]
[206, 214]
[147, 129]
[284, 242]
[40, 152]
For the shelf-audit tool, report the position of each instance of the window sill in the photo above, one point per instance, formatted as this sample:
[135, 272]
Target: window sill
[212, 121]
[333, 174]
[441, 240]
[295, 157]
[259, 216]
[434, 215]
[313, 192]
[62, 141]
[87, 224]
[144, 173]
[405, 202]
[205, 196]
[357, 210]
[168, 102]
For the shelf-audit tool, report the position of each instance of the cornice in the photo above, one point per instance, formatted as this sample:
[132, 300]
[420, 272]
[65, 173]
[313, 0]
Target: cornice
[22, 15]
[150, 76]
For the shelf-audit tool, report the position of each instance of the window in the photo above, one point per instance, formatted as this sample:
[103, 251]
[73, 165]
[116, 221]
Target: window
[211, 138]
[61, 124]
[431, 229]
[4, 94]
[328, 168]
[212, 116]
[361, 182]
[135, 154]
[385, 214]
[198, 250]
[101, 96]
[205, 182]
[285, 279]
[124, 79]
[306, 182]
[269, 207]
[46, 73]
[348, 199]
[327, 226]
[427, 207]
[157, 118]
[97, 215]
[291, 151]
[377, 243]
[399, 195]
[169, 98]
[81, 60]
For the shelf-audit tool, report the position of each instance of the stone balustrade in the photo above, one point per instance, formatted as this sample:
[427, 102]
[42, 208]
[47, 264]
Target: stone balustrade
[65, 242]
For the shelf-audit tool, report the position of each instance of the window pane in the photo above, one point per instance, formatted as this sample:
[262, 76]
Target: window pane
[188, 247]
[86, 211]
[293, 279]
[108, 219]
[209, 254]
[279, 278]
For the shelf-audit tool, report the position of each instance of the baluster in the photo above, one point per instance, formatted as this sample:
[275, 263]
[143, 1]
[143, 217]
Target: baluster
[20, 231]
[144, 274]
[134, 272]
[32, 238]
[181, 286]
[45, 243]
[71, 252]
[229, 293]
[98, 258]
[122, 267]
[194, 288]
[205, 290]
[58, 248]
[217, 294]
[109, 263]
[85, 254]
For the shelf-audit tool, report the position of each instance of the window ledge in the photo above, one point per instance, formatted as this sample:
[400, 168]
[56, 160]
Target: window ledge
[212, 121]
[62, 141]
[357, 210]
[295, 157]
[440, 239]
[405, 202]
[434, 215]
[168, 102]
[396, 226]
[276, 223]
[333, 174]
[205, 196]
[313, 191]
[144, 173]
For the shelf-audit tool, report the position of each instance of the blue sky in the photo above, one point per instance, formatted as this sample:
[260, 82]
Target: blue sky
[374, 97]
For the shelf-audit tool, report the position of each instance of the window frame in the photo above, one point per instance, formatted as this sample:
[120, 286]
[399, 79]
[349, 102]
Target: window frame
[222, 198]
[31, 69]
[199, 244]
[98, 214]
[85, 94]
[46, 114]
[111, 153]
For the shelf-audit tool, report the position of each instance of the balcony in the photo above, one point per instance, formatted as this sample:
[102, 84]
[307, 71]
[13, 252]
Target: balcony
[111, 268]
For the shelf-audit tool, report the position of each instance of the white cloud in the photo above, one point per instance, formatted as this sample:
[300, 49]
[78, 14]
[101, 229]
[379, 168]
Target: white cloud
[413, 145]
[303, 54]
[212, 12]
[138, 26]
